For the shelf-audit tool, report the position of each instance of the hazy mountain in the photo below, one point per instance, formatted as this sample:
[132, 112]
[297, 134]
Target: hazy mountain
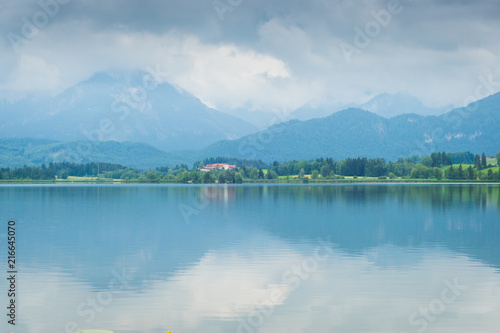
[385, 105]
[120, 107]
[356, 132]
[10, 97]
[318, 110]
[390, 105]
[348, 133]
[260, 119]
[265, 119]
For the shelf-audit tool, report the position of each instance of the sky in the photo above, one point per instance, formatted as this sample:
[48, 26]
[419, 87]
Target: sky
[272, 55]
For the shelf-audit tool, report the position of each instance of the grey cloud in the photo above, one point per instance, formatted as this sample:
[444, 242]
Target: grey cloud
[430, 40]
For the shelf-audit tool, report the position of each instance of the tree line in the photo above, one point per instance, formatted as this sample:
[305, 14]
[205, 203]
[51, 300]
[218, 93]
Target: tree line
[438, 165]
[62, 170]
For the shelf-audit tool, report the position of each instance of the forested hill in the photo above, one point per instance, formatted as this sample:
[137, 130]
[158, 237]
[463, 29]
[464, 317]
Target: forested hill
[355, 132]
[348, 133]
[19, 152]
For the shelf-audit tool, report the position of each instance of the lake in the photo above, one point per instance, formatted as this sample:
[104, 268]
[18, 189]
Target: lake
[254, 258]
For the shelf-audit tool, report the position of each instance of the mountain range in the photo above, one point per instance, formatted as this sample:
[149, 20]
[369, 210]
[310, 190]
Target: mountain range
[121, 107]
[392, 105]
[386, 105]
[355, 132]
[117, 118]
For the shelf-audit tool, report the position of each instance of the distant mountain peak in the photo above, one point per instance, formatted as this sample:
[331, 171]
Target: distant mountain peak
[356, 132]
[104, 78]
[394, 104]
[318, 109]
[117, 106]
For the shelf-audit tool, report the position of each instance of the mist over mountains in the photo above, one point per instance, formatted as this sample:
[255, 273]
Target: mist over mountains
[386, 105]
[121, 107]
[128, 119]
[391, 105]
[356, 132]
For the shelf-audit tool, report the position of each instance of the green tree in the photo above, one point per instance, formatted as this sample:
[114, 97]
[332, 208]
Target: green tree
[261, 173]
[436, 159]
[470, 173]
[375, 168]
[130, 174]
[420, 171]
[195, 176]
[314, 174]
[63, 174]
[302, 173]
[450, 173]
[483, 160]
[208, 177]
[498, 158]
[222, 180]
[427, 161]
[182, 177]
[166, 178]
[444, 158]
[490, 174]
[477, 162]
[254, 173]
[437, 173]
[325, 170]
[460, 173]
[229, 175]
[151, 176]
[449, 159]
[238, 178]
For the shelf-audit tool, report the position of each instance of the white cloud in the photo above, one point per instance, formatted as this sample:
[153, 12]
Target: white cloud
[223, 75]
[34, 73]
[272, 56]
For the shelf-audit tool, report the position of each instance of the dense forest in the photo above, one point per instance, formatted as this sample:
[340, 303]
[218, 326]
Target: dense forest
[437, 166]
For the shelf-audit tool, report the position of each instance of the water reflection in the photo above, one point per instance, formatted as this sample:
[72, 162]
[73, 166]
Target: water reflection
[373, 292]
[125, 258]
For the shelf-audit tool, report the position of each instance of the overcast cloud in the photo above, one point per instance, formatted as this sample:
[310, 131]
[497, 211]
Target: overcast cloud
[272, 55]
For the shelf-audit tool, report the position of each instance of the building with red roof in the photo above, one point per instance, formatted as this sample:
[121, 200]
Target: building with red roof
[218, 166]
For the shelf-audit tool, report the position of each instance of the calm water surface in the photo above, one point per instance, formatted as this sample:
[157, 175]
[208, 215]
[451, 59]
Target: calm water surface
[265, 258]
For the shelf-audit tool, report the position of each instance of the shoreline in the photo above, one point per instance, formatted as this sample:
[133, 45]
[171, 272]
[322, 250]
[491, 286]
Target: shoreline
[309, 182]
